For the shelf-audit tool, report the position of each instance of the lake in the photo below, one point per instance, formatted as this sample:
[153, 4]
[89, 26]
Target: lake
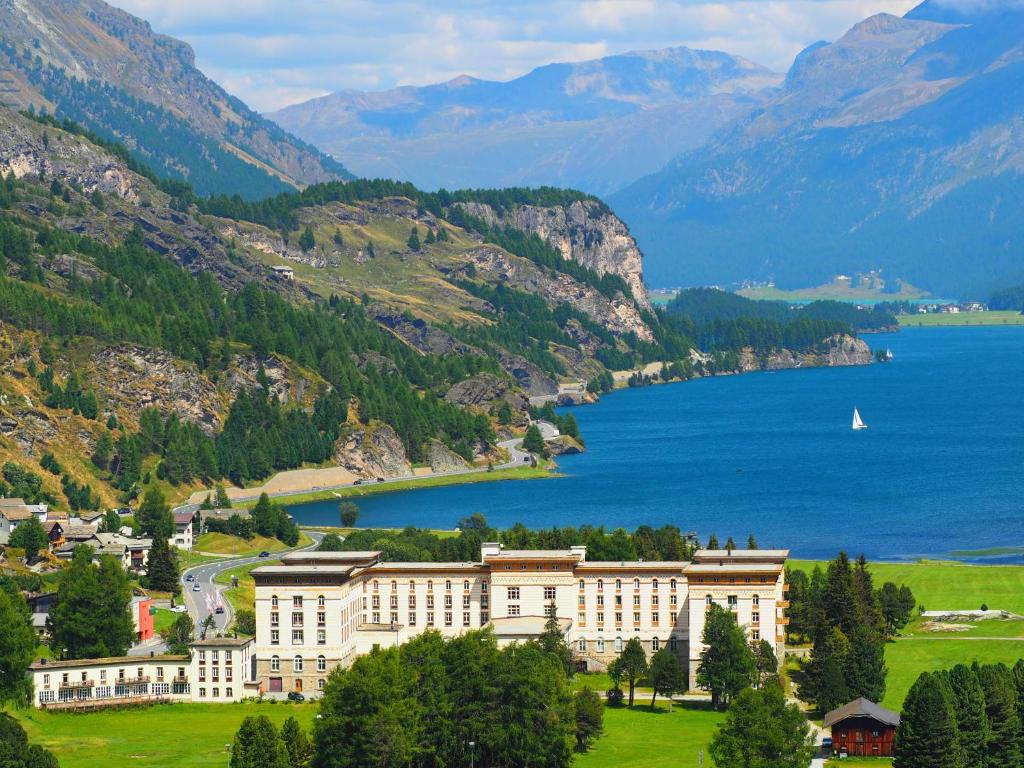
[940, 469]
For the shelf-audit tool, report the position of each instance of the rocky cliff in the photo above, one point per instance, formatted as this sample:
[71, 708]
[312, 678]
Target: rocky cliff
[838, 350]
[585, 231]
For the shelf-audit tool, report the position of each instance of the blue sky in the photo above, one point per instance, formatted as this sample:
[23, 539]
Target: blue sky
[272, 53]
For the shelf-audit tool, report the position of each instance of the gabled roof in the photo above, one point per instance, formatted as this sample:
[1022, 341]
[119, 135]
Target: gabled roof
[16, 513]
[14, 501]
[862, 708]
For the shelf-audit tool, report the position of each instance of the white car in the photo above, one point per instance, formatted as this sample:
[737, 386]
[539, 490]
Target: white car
[178, 609]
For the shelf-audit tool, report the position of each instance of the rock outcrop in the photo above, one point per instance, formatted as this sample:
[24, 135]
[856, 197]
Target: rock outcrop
[563, 445]
[441, 459]
[372, 452]
[585, 231]
[838, 350]
[484, 391]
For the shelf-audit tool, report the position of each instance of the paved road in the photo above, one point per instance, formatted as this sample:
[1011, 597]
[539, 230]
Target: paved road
[209, 591]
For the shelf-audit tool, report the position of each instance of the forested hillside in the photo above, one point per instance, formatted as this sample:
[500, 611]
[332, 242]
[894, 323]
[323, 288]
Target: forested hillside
[151, 334]
[107, 70]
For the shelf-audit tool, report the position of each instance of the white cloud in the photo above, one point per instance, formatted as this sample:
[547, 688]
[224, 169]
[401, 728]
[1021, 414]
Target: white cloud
[275, 52]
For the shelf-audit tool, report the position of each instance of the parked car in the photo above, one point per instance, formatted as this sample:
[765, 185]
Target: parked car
[264, 553]
[178, 609]
[295, 696]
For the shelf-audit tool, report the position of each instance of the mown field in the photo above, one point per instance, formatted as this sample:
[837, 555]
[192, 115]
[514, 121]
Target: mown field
[641, 738]
[225, 544]
[950, 586]
[962, 318]
[161, 736]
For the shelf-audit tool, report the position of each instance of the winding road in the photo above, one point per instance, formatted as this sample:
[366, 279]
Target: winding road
[209, 591]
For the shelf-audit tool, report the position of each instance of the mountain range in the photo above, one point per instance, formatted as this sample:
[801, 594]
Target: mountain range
[897, 148]
[592, 125]
[109, 71]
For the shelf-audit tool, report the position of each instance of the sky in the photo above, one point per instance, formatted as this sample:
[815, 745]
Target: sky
[272, 53]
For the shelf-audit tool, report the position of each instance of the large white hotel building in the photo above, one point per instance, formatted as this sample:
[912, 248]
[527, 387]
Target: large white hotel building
[320, 610]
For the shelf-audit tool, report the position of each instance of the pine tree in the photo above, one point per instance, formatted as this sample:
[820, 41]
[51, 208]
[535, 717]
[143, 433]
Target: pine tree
[296, 742]
[103, 450]
[751, 542]
[338, 239]
[712, 541]
[414, 239]
[17, 648]
[1001, 710]
[761, 729]
[222, 500]
[552, 639]
[631, 664]
[533, 441]
[154, 515]
[258, 745]
[969, 709]
[726, 663]
[90, 617]
[589, 716]
[306, 239]
[162, 567]
[927, 734]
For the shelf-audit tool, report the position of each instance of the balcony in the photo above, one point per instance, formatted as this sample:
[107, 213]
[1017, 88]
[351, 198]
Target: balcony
[78, 684]
[783, 603]
[132, 680]
[179, 679]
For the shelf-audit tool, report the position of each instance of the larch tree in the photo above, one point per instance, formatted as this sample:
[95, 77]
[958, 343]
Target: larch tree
[632, 664]
[1004, 749]
[666, 674]
[257, 744]
[17, 647]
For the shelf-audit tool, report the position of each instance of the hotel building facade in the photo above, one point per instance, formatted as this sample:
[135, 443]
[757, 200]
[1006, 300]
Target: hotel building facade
[320, 610]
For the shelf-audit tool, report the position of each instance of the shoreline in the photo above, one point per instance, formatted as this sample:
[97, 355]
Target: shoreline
[542, 472]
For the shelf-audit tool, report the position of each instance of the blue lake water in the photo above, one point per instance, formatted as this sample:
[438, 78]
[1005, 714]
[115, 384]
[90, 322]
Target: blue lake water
[941, 467]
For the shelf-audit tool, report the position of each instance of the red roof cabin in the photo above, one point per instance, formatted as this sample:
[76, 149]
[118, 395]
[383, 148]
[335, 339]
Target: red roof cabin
[862, 729]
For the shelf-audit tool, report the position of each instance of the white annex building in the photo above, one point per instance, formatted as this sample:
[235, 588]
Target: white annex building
[320, 610]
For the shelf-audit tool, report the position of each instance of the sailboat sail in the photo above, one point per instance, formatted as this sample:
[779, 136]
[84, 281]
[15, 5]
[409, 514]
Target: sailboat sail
[858, 422]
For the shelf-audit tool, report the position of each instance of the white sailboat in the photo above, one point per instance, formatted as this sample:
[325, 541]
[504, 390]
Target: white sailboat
[858, 422]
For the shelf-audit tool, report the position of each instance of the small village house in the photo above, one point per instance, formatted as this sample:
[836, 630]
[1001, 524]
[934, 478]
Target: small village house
[862, 729]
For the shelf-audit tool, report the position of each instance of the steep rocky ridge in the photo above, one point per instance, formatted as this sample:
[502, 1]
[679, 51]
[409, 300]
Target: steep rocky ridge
[593, 125]
[153, 77]
[897, 148]
[585, 231]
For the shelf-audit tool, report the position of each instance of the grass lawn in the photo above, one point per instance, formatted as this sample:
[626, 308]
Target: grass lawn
[946, 586]
[225, 544]
[640, 738]
[600, 682]
[861, 762]
[985, 628]
[908, 657]
[962, 318]
[244, 595]
[161, 736]
[162, 619]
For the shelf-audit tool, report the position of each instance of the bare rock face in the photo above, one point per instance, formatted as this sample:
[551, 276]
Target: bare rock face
[531, 378]
[131, 378]
[619, 315]
[485, 390]
[585, 231]
[563, 445]
[281, 382]
[441, 459]
[838, 350]
[372, 452]
[419, 334]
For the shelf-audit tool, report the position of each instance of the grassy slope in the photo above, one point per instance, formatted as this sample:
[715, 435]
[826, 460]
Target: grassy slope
[943, 586]
[952, 586]
[164, 736]
[962, 318]
[225, 544]
[244, 595]
[640, 738]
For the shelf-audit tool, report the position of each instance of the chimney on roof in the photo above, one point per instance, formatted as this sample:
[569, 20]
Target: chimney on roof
[581, 550]
[489, 549]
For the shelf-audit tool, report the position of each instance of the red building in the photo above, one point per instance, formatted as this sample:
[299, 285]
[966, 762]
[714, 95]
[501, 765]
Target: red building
[862, 728]
[142, 617]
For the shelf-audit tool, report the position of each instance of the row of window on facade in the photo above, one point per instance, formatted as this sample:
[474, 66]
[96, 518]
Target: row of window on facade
[120, 690]
[298, 664]
[122, 677]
